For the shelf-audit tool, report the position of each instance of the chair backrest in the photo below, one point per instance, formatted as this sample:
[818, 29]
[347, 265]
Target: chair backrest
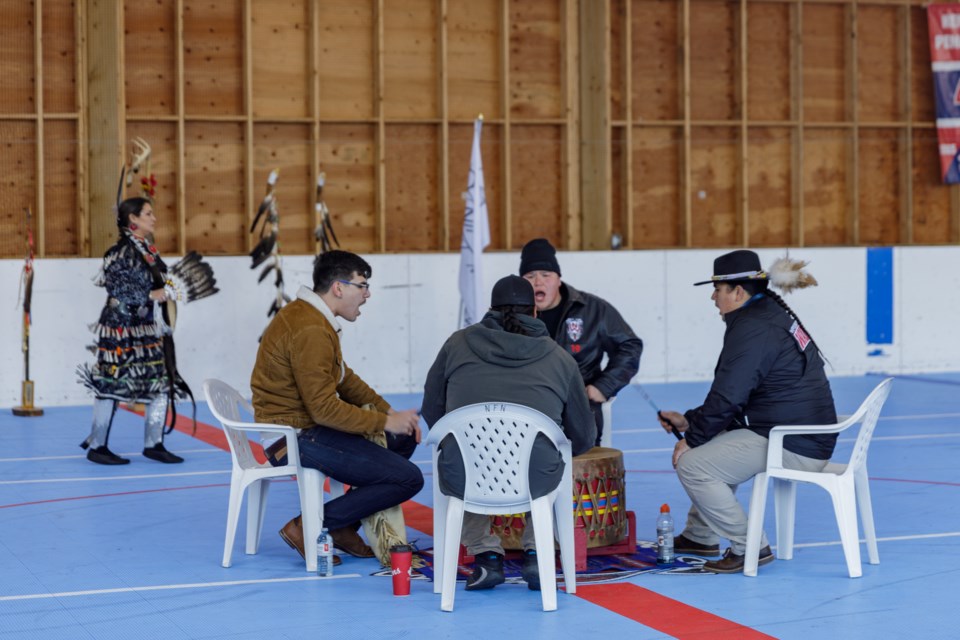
[868, 414]
[495, 440]
[225, 403]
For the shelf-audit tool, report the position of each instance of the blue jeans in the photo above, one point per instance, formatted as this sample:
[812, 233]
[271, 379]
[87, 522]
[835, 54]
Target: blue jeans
[380, 478]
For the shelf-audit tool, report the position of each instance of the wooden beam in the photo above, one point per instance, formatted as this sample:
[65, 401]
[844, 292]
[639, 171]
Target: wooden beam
[444, 168]
[906, 133]
[595, 168]
[314, 71]
[507, 181]
[181, 161]
[686, 217]
[380, 221]
[853, 117]
[249, 201]
[104, 117]
[627, 186]
[570, 200]
[83, 175]
[38, 102]
[743, 184]
[796, 115]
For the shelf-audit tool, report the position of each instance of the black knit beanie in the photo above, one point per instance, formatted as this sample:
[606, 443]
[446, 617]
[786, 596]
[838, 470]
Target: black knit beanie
[538, 255]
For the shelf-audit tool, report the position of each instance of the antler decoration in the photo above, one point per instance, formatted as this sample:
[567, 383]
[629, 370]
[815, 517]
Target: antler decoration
[787, 274]
[324, 231]
[139, 162]
[268, 249]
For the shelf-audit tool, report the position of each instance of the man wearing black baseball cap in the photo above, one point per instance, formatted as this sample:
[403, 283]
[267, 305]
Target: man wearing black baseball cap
[507, 357]
[586, 326]
[770, 372]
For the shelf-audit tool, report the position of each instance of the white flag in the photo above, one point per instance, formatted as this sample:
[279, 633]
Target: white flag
[476, 238]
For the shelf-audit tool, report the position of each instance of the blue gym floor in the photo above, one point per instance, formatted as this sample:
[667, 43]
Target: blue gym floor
[88, 551]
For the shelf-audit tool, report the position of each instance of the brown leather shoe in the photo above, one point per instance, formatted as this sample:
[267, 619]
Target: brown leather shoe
[732, 563]
[349, 541]
[292, 534]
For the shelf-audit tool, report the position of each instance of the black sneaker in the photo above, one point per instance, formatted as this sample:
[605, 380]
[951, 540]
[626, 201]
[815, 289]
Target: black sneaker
[102, 455]
[531, 570]
[682, 544]
[487, 571]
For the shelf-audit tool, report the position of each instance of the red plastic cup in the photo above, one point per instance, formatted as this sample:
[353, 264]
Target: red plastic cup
[401, 558]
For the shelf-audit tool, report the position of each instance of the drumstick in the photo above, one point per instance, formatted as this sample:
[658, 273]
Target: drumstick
[657, 409]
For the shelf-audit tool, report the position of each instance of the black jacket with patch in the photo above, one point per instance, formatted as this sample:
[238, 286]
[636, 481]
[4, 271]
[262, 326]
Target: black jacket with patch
[589, 327]
[769, 373]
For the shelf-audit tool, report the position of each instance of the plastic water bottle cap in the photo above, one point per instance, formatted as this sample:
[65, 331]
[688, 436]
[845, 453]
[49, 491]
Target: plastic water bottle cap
[665, 508]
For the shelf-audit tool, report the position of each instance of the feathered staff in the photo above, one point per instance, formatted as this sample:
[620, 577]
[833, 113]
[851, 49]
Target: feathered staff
[324, 231]
[26, 295]
[268, 248]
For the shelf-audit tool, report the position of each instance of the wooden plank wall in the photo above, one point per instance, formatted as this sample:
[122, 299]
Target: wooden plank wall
[731, 122]
[776, 122]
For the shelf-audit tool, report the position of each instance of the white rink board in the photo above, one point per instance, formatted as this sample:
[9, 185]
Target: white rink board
[414, 307]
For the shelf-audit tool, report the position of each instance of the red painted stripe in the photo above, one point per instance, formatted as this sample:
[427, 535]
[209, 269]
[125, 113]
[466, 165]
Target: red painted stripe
[418, 516]
[213, 436]
[111, 495]
[665, 614]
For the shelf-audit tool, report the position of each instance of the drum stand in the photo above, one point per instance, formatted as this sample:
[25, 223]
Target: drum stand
[26, 409]
[627, 546]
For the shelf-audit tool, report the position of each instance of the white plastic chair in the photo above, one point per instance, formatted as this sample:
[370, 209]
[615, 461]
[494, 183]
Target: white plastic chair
[495, 440]
[847, 484]
[254, 477]
[606, 438]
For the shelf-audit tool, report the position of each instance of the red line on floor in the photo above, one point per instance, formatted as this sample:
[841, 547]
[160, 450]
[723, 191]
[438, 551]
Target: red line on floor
[947, 484]
[665, 614]
[111, 495]
[213, 436]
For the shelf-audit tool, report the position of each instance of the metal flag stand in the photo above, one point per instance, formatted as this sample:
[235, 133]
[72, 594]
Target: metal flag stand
[27, 409]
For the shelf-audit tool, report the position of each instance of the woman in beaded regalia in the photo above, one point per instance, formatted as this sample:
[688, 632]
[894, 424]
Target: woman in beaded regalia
[130, 363]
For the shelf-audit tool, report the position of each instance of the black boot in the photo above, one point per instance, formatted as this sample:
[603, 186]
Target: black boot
[102, 455]
[487, 571]
[531, 570]
[159, 453]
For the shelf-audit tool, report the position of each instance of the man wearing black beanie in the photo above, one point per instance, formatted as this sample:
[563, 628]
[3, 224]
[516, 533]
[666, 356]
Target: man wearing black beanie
[586, 326]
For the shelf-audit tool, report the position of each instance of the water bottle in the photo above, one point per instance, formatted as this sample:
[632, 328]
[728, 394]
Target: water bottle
[324, 554]
[665, 536]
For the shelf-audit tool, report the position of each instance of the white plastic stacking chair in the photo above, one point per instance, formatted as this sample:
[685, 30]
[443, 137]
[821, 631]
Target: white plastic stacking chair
[254, 477]
[606, 438]
[496, 440]
[847, 484]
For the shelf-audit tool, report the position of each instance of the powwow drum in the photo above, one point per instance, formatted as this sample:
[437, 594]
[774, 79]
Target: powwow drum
[599, 502]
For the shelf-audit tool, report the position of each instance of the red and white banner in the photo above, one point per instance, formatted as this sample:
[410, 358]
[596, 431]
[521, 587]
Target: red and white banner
[944, 25]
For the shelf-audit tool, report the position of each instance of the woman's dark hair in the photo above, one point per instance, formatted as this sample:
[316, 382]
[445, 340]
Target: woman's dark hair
[127, 208]
[511, 317]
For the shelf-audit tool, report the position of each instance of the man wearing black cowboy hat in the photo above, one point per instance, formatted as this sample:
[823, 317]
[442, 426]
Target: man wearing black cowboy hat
[507, 357]
[770, 372]
[586, 326]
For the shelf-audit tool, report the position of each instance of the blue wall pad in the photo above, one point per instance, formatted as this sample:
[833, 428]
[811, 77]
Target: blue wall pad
[880, 295]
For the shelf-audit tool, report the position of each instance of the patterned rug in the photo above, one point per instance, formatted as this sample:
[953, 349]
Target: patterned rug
[600, 569]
